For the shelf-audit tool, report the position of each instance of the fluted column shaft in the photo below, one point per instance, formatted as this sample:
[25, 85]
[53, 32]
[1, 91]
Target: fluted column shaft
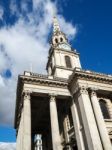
[56, 140]
[26, 121]
[77, 127]
[100, 122]
[89, 123]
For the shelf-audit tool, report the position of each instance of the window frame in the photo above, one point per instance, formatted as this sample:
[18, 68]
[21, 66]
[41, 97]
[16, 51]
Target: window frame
[68, 61]
[104, 108]
[56, 40]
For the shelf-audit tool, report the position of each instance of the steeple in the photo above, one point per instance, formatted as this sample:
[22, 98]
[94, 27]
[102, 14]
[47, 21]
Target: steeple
[58, 37]
[62, 59]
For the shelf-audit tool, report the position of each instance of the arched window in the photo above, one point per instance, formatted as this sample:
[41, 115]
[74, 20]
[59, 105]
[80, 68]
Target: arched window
[68, 62]
[61, 39]
[56, 40]
[104, 109]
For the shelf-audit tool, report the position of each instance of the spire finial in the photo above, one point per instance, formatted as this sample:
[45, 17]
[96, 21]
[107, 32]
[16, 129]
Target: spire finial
[56, 26]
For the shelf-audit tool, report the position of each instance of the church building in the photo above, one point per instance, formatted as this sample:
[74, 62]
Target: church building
[69, 108]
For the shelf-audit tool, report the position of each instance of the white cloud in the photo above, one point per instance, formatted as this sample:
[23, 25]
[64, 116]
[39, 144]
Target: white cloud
[25, 43]
[2, 84]
[1, 13]
[67, 27]
[24, 5]
[7, 146]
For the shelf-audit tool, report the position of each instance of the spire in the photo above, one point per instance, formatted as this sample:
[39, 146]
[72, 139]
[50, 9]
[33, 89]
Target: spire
[58, 37]
[56, 26]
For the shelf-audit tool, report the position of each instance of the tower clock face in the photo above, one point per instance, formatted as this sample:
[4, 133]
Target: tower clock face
[64, 46]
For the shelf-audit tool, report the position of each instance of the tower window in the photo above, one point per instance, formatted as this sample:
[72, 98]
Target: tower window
[104, 109]
[68, 62]
[56, 40]
[61, 39]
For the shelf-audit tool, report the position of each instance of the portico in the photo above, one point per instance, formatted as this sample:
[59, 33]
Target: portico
[45, 111]
[70, 108]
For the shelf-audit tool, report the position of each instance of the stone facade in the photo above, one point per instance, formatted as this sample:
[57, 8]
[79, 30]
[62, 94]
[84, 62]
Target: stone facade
[70, 108]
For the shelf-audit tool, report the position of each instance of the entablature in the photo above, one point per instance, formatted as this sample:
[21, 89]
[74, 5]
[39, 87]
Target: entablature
[90, 76]
[44, 80]
[89, 79]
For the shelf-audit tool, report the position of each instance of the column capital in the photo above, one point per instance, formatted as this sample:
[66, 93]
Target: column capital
[52, 97]
[26, 94]
[82, 90]
[93, 91]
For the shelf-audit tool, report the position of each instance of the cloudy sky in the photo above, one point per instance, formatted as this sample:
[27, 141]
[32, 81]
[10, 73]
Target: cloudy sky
[25, 29]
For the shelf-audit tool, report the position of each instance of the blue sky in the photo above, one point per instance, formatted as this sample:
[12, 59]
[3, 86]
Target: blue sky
[94, 40]
[7, 134]
[89, 24]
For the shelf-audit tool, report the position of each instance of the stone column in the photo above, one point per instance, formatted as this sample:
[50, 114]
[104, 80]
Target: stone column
[56, 140]
[66, 128]
[77, 127]
[20, 129]
[88, 119]
[109, 106]
[26, 121]
[100, 122]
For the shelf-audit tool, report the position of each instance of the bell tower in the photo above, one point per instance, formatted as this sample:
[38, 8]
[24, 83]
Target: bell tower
[62, 58]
